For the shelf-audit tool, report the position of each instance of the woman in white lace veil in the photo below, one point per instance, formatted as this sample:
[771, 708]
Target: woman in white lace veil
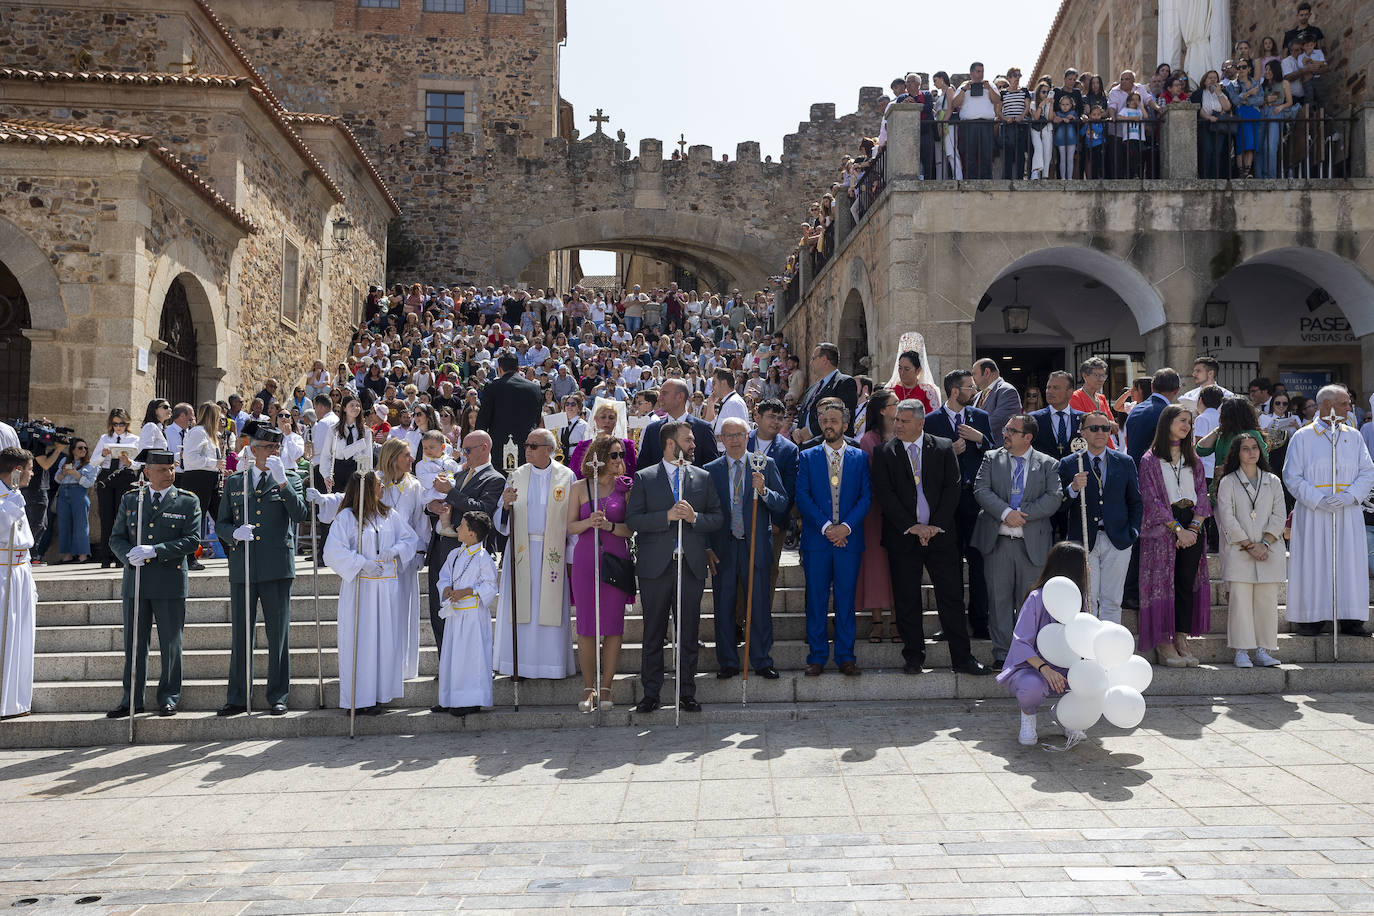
[915, 375]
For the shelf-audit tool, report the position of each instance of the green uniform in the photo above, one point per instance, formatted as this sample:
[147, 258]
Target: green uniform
[275, 510]
[171, 525]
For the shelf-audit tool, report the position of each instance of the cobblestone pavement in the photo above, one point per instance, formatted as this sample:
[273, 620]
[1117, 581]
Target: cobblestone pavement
[1266, 805]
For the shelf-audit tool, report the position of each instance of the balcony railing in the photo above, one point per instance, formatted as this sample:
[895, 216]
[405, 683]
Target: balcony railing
[1299, 147]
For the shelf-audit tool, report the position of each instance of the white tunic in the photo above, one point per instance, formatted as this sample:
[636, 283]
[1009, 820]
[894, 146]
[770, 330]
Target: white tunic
[20, 612]
[379, 676]
[404, 501]
[545, 652]
[1307, 472]
[465, 658]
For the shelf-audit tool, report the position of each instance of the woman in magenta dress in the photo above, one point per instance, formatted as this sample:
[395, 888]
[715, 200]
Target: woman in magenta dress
[605, 420]
[874, 593]
[607, 515]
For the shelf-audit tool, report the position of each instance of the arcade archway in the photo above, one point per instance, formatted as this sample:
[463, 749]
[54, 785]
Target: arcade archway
[16, 350]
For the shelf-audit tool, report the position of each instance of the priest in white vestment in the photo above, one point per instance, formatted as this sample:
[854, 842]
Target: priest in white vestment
[1307, 473]
[534, 514]
[20, 610]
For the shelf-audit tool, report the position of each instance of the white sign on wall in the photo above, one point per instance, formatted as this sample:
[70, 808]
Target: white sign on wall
[95, 397]
[1330, 329]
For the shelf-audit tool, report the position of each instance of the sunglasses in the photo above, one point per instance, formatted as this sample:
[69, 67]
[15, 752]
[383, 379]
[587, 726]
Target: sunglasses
[616, 456]
[119, 423]
[1097, 428]
[530, 445]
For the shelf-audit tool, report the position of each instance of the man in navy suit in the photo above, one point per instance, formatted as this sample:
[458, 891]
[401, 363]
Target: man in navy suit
[967, 428]
[769, 417]
[829, 382]
[673, 397]
[1143, 418]
[1111, 486]
[1056, 426]
[737, 564]
[833, 495]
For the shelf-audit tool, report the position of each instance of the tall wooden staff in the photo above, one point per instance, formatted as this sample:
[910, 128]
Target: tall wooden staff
[134, 700]
[596, 465]
[363, 482]
[510, 457]
[757, 463]
[1081, 448]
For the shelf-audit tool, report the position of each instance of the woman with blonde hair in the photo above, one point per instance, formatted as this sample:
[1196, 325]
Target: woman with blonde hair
[606, 418]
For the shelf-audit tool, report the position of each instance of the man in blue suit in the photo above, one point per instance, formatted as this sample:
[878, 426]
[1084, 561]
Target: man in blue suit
[769, 418]
[967, 428]
[1056, 426]
[673, 398]
[1111, 486]
[1143, 418]
[736, 563]
[833, 496]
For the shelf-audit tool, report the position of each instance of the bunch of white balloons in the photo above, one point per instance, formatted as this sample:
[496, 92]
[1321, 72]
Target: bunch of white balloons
[1106, 677]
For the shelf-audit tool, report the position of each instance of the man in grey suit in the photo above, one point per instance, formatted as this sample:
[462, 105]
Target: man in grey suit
[662, 495]
[1018, 492]
[998, 397]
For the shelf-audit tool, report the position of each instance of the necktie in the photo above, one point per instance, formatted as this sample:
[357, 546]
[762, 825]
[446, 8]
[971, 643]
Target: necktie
[1018, 482]
[958, 422]
[737, 498]
[913, 450]
[157, 499]
[677, 472]
[1097, 472]
[471, 471]
[1063, 435]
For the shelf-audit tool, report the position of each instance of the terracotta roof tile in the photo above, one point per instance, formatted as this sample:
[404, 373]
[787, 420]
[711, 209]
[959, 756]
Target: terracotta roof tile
[310, 117]
[47, 133]
[133, 79]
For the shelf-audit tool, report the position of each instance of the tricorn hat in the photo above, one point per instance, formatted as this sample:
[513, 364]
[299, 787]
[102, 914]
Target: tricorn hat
[155, 456]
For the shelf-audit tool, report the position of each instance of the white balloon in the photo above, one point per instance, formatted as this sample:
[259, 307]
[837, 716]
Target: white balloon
[1077, 711]
[1061, 598]
[1080, 633]
[1113, 645]
[1135, 673]
[1088, 677]
[1124, 707]
[1053, 648]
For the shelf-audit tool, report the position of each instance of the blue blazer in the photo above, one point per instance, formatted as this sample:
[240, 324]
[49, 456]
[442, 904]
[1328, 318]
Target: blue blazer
[651, 450]
[774, 499]
[813, 497]
[1119, 508]
[1045, 440]
[1140, 426]
[937, 424]
[784, 452]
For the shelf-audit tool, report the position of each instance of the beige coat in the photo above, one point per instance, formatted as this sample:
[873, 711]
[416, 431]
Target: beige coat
[1233, 519]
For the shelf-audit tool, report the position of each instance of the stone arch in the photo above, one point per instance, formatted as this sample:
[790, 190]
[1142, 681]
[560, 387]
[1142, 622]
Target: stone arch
[1143, 300]
[184, 262]
[746, 259]
[1349, 286]
[31, 267]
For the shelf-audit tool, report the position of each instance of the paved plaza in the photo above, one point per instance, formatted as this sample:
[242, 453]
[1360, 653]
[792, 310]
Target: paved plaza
[1261, 805]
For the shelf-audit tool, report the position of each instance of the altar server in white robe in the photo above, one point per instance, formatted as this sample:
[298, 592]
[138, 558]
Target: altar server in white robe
[1307, 473]
[534, 513]
[21, 599]
[404, 496]
[467, 586]
[368, 567]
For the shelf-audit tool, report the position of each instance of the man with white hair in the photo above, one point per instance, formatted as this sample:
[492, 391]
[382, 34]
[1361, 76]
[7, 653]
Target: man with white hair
[1327, 521]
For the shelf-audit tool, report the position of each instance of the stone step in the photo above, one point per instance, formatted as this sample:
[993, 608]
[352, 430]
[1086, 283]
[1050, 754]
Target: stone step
[549, 704]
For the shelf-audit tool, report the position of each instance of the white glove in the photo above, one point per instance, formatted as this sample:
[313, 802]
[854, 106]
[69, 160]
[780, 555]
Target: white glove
[1346, 497]
[244, 533]
[373, 570]
[141, 553]
[314, 496]
[1332, 503]
[276, 468]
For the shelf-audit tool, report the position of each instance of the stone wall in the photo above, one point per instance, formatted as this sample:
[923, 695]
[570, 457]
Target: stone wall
[117, 35]
[1349, 44]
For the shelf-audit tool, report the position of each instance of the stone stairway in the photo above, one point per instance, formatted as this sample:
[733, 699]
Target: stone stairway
[79, 660]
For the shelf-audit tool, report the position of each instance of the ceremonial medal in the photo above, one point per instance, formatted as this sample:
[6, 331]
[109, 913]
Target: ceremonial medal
[834, 481]
[1252, 516]
[918, 480]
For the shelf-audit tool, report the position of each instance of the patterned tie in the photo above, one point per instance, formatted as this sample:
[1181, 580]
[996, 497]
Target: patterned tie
[677, 484]
[737, 498]
[835, 469]
[157, 498]
[1063, 435]
[914, 451]
[1018, 482]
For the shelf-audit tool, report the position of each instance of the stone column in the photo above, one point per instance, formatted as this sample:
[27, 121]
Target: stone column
[904, 143]
[1362, 144]
[1174, 345]
[1366, 362]
[1178, 141]
[844, 219]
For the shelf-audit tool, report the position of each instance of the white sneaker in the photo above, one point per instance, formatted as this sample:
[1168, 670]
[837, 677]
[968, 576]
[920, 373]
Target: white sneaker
[1029, 734]
[1266, 660]
[1243, 659]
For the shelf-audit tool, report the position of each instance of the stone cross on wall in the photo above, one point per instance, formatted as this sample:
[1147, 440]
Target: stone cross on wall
[599, 119]
[682, 145]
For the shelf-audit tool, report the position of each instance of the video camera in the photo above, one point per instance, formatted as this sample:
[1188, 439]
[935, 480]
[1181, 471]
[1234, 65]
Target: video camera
[39, 435]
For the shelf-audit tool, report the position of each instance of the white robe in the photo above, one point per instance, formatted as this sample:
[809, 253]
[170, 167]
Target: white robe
[21, 605]
[404, 500]
[465, 659]
[1307, 472]
[379, 673]
[545, 651]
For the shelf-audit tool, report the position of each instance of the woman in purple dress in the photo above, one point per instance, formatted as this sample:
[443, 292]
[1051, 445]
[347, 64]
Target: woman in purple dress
[608, 515]
[1026, 675]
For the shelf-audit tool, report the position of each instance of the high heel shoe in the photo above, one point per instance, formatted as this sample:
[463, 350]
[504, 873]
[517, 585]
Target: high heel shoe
[606, 702]
[588, 702]
[1189, 659]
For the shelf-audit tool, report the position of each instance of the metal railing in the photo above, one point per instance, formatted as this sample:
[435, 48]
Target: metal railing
[870, 184]
[994, 150]
[1301, 146]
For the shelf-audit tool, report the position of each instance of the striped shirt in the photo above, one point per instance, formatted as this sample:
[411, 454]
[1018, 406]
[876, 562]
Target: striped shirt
[1014, 104]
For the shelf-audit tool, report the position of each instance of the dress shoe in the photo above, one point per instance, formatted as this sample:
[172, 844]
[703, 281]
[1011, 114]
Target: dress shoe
[979, 633]
[1353, 628]
[739, 636]
[438, 709]
[195, 566]
[814, 670]
[167, 709]
[647, 705]
[912, 669]
[370, 711]
[938, 637]
[998, 663]
[465, 710]
[689, 704]
[769, 673]
[1312, 629]
[456, 712]
[277, 709]
[725, 674]
[120, 712]
[972, 667]
[230, 709]
[849, 669]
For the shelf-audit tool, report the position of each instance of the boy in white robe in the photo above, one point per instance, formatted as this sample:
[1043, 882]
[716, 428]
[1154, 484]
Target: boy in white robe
[467, 586]
[433, 465]
[19, 613]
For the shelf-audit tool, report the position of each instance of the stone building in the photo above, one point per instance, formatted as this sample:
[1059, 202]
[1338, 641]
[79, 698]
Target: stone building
[167, 227]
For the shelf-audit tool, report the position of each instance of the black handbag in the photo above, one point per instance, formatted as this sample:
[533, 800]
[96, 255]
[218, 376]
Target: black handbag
[618, 571]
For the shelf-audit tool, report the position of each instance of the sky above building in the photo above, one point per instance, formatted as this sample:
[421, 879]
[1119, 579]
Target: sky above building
[723, 71]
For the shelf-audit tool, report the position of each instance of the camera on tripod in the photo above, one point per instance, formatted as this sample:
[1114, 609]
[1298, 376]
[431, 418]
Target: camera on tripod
[39, 435]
